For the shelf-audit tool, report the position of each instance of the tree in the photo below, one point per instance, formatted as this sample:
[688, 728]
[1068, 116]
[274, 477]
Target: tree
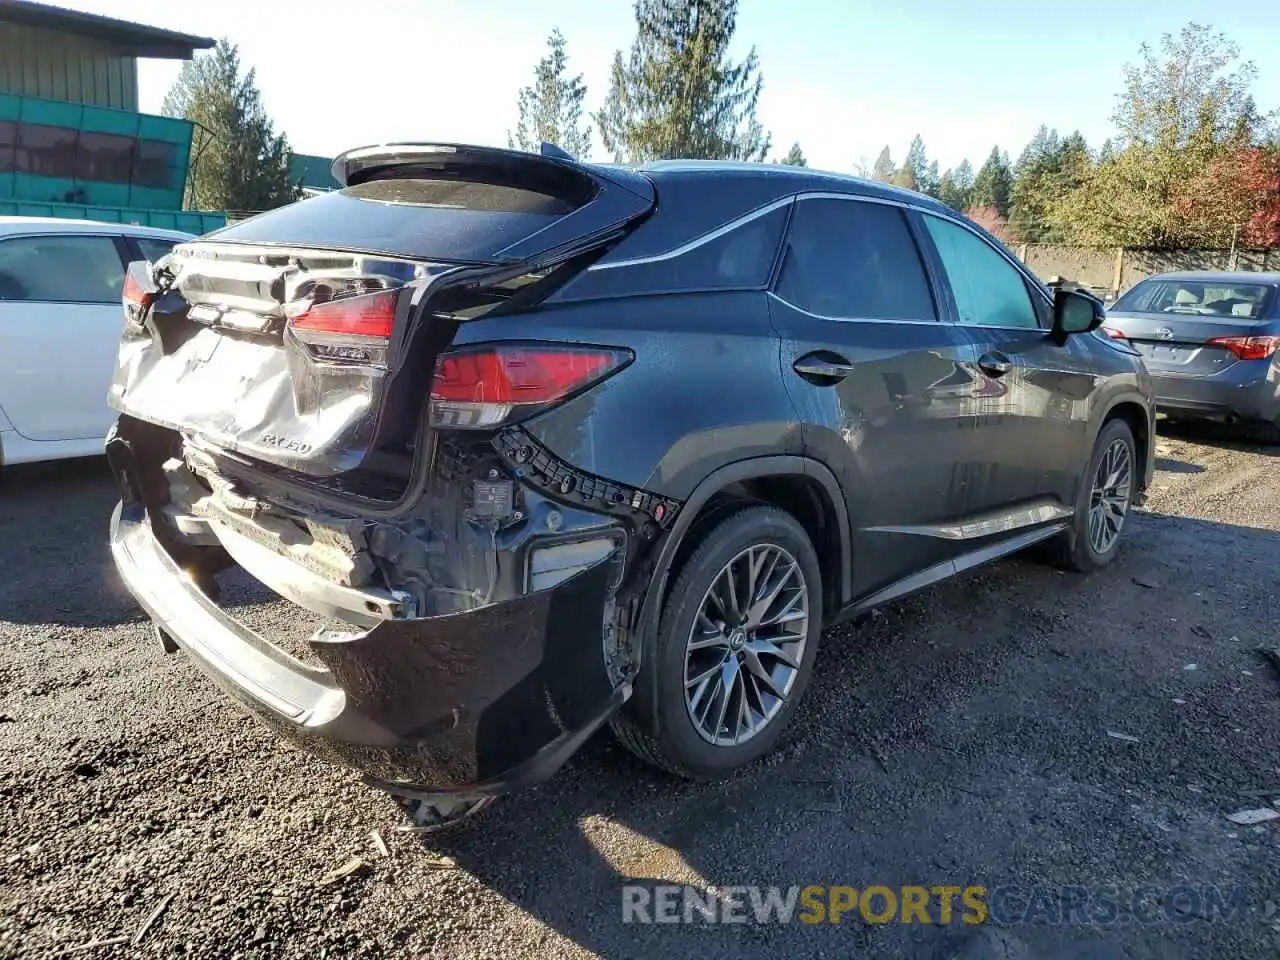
[1182, 115]
[678, 94]
[987, 216]
[794, 157]
[1235, 199]
[923, 174]
[883, 170]
[551, 107]
[238, 161]
[994, 183]
[1050, 168]
[1193, 79]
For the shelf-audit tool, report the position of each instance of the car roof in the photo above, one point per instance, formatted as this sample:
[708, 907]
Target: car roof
[1219, 276]
[788, 179]
[29, 225]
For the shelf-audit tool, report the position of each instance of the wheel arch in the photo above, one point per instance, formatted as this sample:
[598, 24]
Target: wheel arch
[753, 476]
[1134, 410]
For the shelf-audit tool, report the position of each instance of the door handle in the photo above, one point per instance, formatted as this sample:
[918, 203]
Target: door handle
[823, 367]
[994, 364]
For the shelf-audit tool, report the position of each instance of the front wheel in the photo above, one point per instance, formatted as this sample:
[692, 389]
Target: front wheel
[735, 646]
[1106, 494]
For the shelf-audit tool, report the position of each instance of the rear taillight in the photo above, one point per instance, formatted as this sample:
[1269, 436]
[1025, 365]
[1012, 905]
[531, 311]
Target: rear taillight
[492, 385]
[1114, 334]
[371, 315]
[349, 330]
[1247, 348]
[138, 293]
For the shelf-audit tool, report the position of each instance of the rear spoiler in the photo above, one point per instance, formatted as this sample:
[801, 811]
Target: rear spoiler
[397, 159]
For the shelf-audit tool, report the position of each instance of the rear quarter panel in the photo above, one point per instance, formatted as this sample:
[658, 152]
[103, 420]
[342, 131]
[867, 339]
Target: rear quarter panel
[704, 390]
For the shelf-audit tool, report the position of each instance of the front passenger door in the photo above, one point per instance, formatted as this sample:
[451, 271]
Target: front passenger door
[1032, 416]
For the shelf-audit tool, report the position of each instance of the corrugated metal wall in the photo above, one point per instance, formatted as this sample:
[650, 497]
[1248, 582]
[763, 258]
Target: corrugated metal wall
[60, 66]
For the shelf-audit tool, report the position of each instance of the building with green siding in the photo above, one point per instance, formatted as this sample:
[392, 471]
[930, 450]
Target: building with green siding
[72, 142]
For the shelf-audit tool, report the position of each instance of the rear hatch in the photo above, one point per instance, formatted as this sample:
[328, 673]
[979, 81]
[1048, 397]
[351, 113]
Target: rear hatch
[305, 339]
[1195, 327]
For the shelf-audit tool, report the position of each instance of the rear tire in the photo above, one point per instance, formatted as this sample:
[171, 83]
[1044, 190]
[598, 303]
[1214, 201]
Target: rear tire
[739, 627]
[1264, 431]
[1107, 488]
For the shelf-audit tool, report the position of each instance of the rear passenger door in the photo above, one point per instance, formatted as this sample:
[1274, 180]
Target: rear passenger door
[60, 323]
[1032, 417]
[879, 377]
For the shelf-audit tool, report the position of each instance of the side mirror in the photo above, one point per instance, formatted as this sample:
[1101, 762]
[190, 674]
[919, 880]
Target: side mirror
[1075, 312]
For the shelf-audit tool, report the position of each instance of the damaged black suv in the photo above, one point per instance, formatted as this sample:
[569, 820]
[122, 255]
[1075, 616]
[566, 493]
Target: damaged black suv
[542, 445]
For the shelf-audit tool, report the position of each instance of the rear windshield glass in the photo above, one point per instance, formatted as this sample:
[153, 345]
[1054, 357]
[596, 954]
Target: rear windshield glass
[1207, 298]
[450, 220]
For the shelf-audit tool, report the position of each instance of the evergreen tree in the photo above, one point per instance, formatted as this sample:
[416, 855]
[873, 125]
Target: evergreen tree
[994, 184]
[883, 170]
[677, 94]
[238, 161]
[794, 157]
[551, 108]
[1049, 168]
[923, 174]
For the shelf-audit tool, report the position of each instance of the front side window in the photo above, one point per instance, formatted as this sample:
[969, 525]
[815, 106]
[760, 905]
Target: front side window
[849, 259]
[989, 291]
[56, 269]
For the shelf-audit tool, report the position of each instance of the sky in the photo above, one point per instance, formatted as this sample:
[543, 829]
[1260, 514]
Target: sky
[843, 78]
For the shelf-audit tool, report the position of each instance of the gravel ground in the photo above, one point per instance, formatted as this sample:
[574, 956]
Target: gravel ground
[1016, 727]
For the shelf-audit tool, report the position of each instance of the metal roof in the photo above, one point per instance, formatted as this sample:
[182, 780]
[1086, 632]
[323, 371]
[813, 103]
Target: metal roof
[135, 39]
[10, 226]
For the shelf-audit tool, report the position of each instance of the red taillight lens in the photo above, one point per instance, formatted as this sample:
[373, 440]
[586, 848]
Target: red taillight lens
[137, 293]
[1247, 348]
[482, 388]
[371, 315]
[1114, 334]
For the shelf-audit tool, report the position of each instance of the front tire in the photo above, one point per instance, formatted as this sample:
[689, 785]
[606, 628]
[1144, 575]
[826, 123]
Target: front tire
[1106, 495]
[734, 649]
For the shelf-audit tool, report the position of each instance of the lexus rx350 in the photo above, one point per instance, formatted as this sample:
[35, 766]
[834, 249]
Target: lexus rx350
[543, 446]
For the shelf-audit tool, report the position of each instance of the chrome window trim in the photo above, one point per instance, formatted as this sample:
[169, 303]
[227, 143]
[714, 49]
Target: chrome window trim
[773, 205]
[699, 241]
[823, 316]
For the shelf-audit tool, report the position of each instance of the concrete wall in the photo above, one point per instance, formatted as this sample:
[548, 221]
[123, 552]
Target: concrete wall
[1112, 271]
[59, 66]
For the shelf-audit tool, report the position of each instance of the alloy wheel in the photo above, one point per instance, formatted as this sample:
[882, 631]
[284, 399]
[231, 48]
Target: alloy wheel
[746, 645]
[1109, 498]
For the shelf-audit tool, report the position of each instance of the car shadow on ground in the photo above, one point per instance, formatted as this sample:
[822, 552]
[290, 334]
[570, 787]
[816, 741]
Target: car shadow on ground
[1227, 435]
[1169, 465]
[1016, 726]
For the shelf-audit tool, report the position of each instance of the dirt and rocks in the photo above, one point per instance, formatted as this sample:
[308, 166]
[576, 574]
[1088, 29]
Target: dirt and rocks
[1020, 729]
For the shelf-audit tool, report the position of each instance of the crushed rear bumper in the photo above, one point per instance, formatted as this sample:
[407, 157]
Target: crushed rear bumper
[470, 704]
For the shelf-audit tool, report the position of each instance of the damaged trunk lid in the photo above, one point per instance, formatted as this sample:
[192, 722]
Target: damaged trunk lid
[305, 339]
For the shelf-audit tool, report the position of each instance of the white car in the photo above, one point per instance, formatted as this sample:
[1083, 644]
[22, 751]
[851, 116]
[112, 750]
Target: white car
[60, 323]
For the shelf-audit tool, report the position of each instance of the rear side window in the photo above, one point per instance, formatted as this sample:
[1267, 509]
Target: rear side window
[61, 270]
[738, 259]
[434, 219]
[989, 291]
[851, 259]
